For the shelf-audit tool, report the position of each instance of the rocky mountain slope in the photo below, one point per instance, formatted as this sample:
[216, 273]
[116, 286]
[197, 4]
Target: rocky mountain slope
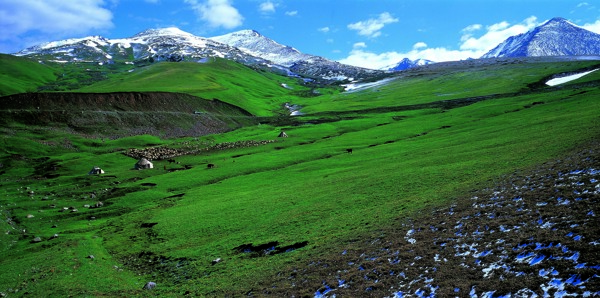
[253, 43]
[557, 37]
[172, 44]
[169, 44]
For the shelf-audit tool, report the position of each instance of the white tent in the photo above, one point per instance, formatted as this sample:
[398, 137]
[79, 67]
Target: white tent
[96, 171]
[143, 164]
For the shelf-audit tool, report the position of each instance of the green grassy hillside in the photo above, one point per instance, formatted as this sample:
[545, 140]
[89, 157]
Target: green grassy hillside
[259, 92]
[418, 143]
[19, 75]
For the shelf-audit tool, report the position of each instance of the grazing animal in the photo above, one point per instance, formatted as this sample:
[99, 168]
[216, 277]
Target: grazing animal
[170, 160]
[349, 150]
[210, 166]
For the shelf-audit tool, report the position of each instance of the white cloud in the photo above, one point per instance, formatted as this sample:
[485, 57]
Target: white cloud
[217, 13]
[469, 31]
[470, 46]
[267, 7]
[471, 28]
[291, 13]
[362, 58]
[359, 45]
[372, 27]
[594, 27]
[53, 16]
[27, 22]
[419, 45]
[495, 34]
[582, 4]
[324, 29]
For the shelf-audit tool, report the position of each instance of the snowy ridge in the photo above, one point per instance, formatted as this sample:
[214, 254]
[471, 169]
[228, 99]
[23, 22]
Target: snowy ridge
[407, 63]
[258, 45]
[166, 44]
[253, 43]
[557, 37]
[172, 44]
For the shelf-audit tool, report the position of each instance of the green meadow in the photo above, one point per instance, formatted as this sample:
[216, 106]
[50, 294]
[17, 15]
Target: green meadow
[418, 142]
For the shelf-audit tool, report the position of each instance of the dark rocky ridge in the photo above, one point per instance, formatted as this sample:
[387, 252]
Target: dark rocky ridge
[123, 113]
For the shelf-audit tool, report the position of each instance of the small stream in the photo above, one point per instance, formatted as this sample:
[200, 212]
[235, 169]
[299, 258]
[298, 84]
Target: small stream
[293, 109]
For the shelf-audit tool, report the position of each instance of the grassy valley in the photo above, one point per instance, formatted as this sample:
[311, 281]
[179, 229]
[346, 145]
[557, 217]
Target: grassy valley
[356, 167]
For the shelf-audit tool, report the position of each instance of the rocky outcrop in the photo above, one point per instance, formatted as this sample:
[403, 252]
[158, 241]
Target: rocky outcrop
[123, 113]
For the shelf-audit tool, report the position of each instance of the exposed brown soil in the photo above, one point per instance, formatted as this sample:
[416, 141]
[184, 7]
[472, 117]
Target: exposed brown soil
[123, 113]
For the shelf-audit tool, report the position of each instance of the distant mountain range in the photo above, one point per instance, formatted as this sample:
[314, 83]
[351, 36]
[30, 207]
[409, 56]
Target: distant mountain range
[255, 44]
[406, 63]
[557, 37]
[172, 44]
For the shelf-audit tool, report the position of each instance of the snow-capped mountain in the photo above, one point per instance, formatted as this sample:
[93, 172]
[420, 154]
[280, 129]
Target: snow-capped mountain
[169, 44]
[557, 37]
[255, 44]
[172, 44]
[407, 63]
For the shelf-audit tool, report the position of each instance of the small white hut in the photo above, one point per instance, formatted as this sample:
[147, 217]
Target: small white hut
[143, 164]
[96, 171]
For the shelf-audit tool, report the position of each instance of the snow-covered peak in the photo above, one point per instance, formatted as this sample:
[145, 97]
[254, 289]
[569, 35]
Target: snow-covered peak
[65, 43]
[258, 45]
[170, 31]
[556, 37]
[558, 21]
[173, 44]
[71, 41]
[406, 63]
[248, 33]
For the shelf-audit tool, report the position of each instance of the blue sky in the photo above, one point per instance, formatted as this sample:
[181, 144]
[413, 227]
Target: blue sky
[369, 33]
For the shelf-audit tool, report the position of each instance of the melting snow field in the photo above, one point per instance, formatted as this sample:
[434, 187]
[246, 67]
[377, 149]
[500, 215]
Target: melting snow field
[566, 79]
[353, 87]
[535, 236]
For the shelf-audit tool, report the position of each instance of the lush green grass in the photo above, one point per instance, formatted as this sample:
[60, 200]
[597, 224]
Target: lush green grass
[258, 92]
[19, 75]
[302, 188]
[449, 83]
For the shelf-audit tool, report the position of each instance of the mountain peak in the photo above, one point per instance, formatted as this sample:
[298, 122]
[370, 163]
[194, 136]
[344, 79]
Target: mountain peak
[556, 37]
[247, 32]
[406, 63]
[169, 31]
[258, 45]
[558, 22]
